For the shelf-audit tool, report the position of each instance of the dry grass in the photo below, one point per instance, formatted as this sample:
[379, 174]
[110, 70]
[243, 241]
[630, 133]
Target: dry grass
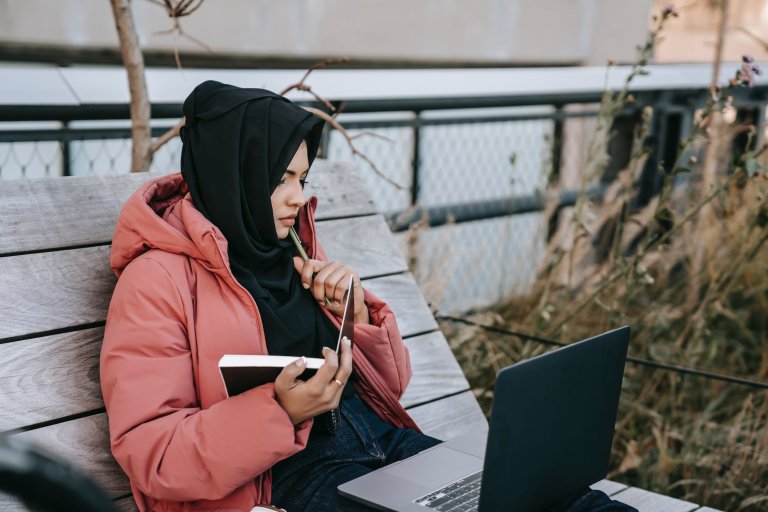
[689, 273]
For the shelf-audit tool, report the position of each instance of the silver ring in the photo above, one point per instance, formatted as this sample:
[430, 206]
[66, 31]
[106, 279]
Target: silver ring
[337, 381]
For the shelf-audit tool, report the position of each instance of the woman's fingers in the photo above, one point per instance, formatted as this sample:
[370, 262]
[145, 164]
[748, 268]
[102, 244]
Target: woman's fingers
[326, 372]
[345, 367]
[318, 286]
[287, 378]
[336, 283]
[328, 281]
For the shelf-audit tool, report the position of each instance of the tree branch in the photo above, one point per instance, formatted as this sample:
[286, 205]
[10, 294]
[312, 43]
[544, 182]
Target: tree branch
[335, 123]
[133, 60]
[167, 136]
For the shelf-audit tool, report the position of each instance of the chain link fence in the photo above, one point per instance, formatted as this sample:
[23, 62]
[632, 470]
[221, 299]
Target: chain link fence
[439, 158]
[463, 156]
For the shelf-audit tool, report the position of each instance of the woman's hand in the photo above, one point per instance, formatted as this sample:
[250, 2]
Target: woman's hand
[330, 281]
[306, 399]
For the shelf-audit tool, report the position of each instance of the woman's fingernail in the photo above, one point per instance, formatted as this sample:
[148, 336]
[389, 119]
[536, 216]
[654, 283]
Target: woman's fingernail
[335, 303]
[305, 285]
[346, 340]
[301, 361]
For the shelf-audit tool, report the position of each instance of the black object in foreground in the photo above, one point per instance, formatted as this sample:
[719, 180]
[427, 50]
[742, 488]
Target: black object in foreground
[44, 482]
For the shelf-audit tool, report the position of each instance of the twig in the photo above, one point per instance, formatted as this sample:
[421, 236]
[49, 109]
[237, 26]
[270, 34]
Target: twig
[752, 35]
[170, 134]
[176, 11]
[319, 65]
[372, 134]
[335, 124]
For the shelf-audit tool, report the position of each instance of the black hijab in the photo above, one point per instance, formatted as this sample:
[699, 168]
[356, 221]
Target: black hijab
[237, 144]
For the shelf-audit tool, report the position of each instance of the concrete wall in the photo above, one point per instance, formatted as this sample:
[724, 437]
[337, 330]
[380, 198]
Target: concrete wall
[492, 32]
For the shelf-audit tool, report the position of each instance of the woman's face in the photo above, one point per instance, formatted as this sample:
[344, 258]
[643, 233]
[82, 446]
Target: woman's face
[288, 197]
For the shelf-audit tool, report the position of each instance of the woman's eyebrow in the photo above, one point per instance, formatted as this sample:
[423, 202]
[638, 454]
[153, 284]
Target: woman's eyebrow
[293, 173]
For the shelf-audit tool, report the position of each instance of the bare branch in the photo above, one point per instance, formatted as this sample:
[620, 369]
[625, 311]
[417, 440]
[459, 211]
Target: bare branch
[372, 134]
[752, 35]
[192, 9]
[133, 60]
[335, 123]
[320, 65]
[167, 136]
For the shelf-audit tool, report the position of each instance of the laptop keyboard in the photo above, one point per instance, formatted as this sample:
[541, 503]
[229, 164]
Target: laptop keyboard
[460, 496]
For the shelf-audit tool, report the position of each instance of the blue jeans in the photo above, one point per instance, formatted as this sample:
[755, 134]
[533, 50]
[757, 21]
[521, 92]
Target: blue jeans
[307, 481]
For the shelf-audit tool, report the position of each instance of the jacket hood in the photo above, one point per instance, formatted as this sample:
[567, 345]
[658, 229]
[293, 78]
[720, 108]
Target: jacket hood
[161, 215]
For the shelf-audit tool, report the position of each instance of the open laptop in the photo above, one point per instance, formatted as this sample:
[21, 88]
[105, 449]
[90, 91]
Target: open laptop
[551, 429]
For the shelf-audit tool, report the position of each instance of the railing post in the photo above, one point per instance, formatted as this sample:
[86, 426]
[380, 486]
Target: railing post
[64, 142]
[415, 160]
[557, 143]
[412, 243]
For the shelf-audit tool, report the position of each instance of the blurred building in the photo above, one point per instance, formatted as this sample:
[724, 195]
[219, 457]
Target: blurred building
[691, 37]
[393, 33]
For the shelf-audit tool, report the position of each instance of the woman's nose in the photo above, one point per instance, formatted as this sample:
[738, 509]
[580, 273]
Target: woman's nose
[297, 196]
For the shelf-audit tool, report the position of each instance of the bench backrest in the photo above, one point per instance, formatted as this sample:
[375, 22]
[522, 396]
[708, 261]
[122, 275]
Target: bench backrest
[55, 286]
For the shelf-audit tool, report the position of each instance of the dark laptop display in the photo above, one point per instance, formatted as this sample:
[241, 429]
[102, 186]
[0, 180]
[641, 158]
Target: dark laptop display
[551, 429]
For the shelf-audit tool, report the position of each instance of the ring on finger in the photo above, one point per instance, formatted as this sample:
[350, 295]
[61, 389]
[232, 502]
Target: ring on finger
[337, 381]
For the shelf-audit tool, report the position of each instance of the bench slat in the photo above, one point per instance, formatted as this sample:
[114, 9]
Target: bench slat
[435, 370]
[609, 487]
[40, 214]
[402, 293]
[646, 501]
[55, 376]
[52, 290]
[85, 443]
[450, 417]
[65, 379]
[51, 377]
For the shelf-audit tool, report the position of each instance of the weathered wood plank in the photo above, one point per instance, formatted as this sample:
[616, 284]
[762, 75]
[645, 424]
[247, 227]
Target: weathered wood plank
[11, 504]
[55, 376]
[646, 501]
[609, 487]
[84, 443]
[435, 370]
[39, 214]
[402, 293]
[52, 290]
[450, 417]
[49, 377]
[363, 243]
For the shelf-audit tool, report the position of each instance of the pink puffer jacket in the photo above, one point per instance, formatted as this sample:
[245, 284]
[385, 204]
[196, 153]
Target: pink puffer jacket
[175, 311]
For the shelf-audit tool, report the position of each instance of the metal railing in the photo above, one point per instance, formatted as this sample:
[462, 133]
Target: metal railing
[481, 164]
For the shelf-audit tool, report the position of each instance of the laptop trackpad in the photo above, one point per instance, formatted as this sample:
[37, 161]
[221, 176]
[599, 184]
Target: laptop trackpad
[436, 467]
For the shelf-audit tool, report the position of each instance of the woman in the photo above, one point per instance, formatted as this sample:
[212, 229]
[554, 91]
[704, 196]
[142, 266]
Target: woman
[206, 268]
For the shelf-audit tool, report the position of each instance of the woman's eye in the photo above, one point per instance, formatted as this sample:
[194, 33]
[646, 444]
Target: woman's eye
[282, 181]
[303, 182]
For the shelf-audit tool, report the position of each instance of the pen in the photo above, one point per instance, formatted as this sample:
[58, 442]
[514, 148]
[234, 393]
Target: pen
[303, 254]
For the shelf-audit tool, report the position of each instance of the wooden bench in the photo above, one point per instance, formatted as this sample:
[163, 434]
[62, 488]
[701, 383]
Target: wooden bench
[55, 286]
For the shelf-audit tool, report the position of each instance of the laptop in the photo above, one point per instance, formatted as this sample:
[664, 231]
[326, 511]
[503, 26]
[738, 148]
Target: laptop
[551, 429]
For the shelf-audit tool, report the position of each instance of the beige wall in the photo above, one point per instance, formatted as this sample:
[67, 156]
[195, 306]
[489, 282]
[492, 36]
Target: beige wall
[691, 37]
[451, 31]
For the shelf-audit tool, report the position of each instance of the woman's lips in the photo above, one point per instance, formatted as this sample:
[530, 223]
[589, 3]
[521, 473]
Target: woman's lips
[288, 221]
